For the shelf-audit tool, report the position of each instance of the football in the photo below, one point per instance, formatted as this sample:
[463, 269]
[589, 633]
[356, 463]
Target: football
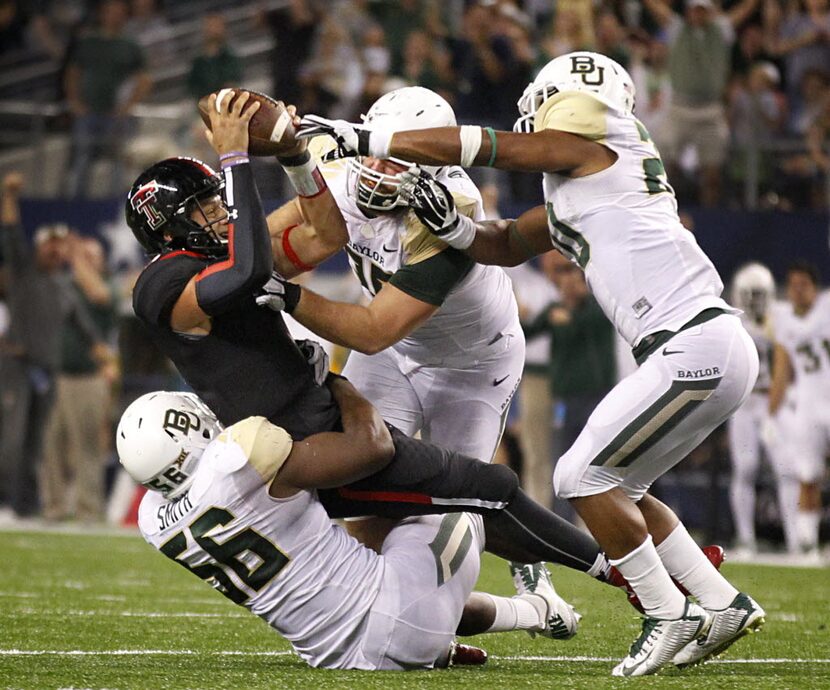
[270, 131]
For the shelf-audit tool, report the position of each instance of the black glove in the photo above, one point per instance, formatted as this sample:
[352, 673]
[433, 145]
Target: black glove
[431, 201]
[278, 294]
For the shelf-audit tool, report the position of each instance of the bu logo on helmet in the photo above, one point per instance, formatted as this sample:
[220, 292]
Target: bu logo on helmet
[143, 201]
[179, 420]
[584, 65]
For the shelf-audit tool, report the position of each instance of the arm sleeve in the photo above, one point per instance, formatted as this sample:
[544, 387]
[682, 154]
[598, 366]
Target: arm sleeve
[249, 262]
[432, 279]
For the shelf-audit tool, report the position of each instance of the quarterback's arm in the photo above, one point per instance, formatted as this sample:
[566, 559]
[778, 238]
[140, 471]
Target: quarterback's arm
[332, 459]
[305, 232]
[780, 379]
[549, 150]
[248, 266]
[390, 316]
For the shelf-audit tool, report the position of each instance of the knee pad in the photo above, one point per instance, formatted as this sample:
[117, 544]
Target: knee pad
[498, 481]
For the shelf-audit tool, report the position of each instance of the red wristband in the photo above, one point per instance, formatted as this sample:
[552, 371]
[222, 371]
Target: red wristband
[290, 253]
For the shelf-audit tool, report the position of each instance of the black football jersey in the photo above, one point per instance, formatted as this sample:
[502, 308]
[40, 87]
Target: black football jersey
[247, 365]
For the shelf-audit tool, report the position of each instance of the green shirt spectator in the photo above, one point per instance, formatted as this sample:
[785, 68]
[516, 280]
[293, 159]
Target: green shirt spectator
[217, 65]
[582, 359]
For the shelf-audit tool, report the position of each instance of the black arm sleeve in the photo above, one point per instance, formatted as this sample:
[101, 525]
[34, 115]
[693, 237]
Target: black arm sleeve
[249, 261]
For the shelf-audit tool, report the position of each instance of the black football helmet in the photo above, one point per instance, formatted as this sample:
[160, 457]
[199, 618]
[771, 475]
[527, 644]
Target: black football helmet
[160, 203]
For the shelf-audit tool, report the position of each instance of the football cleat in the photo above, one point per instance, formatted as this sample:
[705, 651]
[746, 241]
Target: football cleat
[742, 617]
[465, 655]
[660, 640]
[714, 553]
[560, 619]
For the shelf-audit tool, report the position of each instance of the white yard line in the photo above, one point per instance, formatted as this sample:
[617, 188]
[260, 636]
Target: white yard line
[191, 652]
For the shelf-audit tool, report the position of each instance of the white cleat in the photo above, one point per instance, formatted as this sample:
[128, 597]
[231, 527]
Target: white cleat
[533, 582]
[660, 640]
[742, 617]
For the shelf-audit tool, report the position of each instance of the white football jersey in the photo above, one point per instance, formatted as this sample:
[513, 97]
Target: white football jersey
[807, 342]
[282, 559]
[474, 312]
[621, 226]
[762, 336]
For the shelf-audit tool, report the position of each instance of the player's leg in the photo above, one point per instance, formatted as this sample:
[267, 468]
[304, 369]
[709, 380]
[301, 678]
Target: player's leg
[780, 451]
[431, 566]
[744, 448]
[809, 452]
[671, 398]
[380, 380]
[535, 405]
[466, 409]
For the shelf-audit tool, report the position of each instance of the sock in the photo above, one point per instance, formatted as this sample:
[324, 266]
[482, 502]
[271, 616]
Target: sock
[807, 523]
[600, 568]
[521, 612]
[742, 501]
[543, 535]
[788, 491]
[650, 581]
[687, 564]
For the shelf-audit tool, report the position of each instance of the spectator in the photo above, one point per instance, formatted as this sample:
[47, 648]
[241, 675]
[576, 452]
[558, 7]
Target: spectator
[582, 358]
[748, 50]
[71, 476]
[293, 27]
[756, 109]
[699, 48]
[149, 27]
[650, 73]
[377, 61]
[814, 91]
[566, 36]
[35, 289]
[487, 69]
[802, 38]
[426, 63]
[534, 293]
[103, 61]
[611, 38]
[216, 65]
[334, 76]
[399, 19]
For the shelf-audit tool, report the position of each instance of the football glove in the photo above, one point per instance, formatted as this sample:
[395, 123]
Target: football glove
[432, 202]
[278, 294]
[351, 139]
[317, 359]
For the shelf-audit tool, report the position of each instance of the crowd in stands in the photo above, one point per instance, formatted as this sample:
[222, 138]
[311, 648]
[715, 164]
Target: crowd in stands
[722, 87]
[715, 80]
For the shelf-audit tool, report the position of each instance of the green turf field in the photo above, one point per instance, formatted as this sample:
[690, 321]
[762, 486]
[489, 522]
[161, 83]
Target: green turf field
[106, 611]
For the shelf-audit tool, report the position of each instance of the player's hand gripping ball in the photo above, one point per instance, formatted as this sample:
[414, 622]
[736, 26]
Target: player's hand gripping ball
[271, 129]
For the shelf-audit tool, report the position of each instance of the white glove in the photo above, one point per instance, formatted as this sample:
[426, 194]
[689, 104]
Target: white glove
[316, 357]
[769, 432]
[352, 139]
[435, 208]
[278, 294]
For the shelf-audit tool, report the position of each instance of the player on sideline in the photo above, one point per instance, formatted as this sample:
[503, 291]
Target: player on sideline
[753, 291]
[439, 348]
[802, 353]
[198, 300]
[610, 209]
[238, 508]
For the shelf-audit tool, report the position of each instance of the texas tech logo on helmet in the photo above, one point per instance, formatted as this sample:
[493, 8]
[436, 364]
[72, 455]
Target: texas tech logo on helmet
[143, 201]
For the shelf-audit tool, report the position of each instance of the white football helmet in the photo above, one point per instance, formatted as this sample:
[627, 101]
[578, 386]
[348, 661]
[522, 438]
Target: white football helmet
[753, 289]
[599, 75]
[411, 107]
[161, 437]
